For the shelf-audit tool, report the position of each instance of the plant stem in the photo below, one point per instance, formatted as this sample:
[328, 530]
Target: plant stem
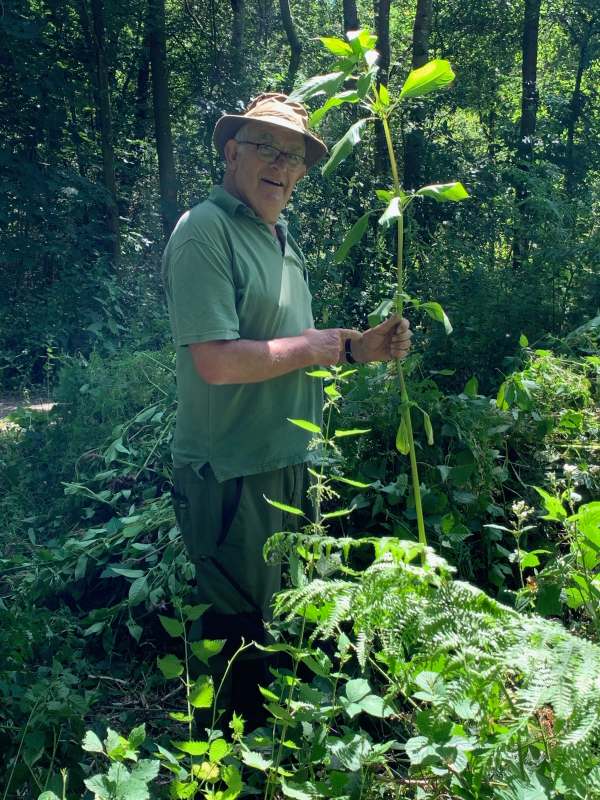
[405, 401]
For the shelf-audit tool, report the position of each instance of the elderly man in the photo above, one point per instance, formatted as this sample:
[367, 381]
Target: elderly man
[240, 310]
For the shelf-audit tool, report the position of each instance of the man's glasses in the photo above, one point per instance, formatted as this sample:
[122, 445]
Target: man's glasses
[270, 154]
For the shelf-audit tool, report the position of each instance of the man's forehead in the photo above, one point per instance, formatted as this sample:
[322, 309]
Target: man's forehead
[278, 137]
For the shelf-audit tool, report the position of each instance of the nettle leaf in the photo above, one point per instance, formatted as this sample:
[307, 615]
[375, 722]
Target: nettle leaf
[92, 743]
[218, 750]
[436, 312]
[444, 192]
[343, 148]
[354, 235]
[336, 46]
[170, 666]
[172, 626]
[207, 648]
[192, 748]
[350, 96]
[283, 507]
[555, 509]
[392, 212]
[429, 78]
[202, 692]
[319, 84]
[193, 613]
[256, 760]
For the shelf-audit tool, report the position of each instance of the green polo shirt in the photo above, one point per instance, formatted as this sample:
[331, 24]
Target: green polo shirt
[226, 277]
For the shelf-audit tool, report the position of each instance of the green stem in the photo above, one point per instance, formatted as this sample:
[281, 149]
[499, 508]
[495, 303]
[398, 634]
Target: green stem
[405, 402]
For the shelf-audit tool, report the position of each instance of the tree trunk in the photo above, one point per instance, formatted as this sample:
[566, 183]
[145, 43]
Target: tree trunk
[572, 167]
[295, 44]
[162, 121]
[381, 9]
[142, 110]
[94, 34]
[529, 104]
[414, 147]
[351, 22]
[237, 37]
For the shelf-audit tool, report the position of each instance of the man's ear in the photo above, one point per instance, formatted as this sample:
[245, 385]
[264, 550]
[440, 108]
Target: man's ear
[230, 152]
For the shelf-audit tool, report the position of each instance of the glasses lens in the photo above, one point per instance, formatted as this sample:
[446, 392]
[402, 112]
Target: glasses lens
[267, 153]
[295, 160]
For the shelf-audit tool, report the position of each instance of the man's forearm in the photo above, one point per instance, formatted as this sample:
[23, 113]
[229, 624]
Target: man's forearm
[249, 361]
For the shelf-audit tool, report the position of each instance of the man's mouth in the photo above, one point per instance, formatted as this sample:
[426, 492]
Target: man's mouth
[273, 182]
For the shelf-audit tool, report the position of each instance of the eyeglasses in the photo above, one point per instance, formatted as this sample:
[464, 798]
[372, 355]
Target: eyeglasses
[270, 154]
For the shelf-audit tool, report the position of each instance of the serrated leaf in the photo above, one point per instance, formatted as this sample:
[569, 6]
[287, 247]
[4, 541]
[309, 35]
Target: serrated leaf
[218, 750]
[402, 440]
[172, 626]
[193, 613]
[207, 648]
[192, 748]
[319, 84]
[137, 736]
[92, 743]
[179, 716]
[344, 146]
[354, 235]
[170, 666]
[284, 507]
[202, 692]
[305, 424]
[436, 312]
[431, 76]
[256, 760]
[554, 508]
[444, 192]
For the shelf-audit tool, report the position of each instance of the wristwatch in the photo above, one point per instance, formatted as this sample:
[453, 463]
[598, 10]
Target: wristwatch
[348, 351]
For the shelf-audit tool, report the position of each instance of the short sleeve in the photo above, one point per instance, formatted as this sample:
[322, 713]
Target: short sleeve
[202, 293]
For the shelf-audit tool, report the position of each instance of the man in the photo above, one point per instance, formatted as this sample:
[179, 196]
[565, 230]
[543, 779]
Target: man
[240, 309]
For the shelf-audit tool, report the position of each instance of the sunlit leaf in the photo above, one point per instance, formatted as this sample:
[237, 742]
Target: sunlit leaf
[350, 96]
[444, 192]
[319, 84]
[284, 507]
[192, 748]
[428, 428]
[354, 235]
[336, 46]
[305, 425]
[340, 433]
[431, 76]
[402, 440]
[202, 692]
[207, 648]
[172, 626]
[381, 312]
[170, 666]
[437, 313]
[344, 146]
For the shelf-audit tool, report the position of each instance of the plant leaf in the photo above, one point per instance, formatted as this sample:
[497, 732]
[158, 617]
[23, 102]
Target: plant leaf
[437, 313]
[207, 648]
[431, 76]
[343, 148]
[172, 626]
[305, 425]
[283, 507]
[351, 96]
[192, 748]
[319, 84]
[170, 666]
[202, 692]
[354, 235]
[336, 46]
[444, 192]
[392, 212]
[339, 434]
[402, 442]
[381, 312]
[428, 428]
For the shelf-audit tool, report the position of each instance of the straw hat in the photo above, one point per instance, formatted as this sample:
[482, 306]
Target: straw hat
[273, 109]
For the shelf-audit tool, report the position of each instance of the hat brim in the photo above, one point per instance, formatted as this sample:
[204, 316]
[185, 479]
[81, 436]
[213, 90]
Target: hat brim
[229, 124]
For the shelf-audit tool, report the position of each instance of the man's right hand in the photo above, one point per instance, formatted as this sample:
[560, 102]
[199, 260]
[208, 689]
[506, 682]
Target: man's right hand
[327, 346]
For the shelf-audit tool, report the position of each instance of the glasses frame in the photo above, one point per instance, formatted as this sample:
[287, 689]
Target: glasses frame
[301, 160]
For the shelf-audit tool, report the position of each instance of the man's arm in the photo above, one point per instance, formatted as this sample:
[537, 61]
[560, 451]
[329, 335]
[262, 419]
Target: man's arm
[248, 361]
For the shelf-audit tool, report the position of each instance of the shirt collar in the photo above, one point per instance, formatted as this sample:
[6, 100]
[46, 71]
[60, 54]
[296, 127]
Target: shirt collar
[233, 205]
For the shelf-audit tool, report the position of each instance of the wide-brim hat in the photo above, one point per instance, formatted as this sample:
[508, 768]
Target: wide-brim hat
[272, 109]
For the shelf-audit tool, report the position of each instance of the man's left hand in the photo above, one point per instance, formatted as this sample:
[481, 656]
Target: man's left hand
[384, 342]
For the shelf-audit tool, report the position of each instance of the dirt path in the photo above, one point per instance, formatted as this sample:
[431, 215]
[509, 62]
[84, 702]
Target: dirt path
[10, 404]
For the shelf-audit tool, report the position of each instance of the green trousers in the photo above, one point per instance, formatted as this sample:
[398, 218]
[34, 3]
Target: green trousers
[224, 527]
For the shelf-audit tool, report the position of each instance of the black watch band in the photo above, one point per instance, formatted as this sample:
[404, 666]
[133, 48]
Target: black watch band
[348, 351]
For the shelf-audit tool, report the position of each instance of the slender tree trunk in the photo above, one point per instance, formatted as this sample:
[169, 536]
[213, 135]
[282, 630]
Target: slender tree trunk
[381, 9]
[414, 147]
[142, 89]
[351, 22]
[575, 109]
[162, 121]
[529, 104]
[94, 34]
[295, 44]
[237, 37]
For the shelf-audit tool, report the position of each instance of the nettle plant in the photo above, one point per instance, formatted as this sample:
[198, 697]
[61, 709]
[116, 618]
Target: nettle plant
[356, 67]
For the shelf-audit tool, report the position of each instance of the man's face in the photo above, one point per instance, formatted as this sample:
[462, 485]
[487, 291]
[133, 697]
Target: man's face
[266, 188]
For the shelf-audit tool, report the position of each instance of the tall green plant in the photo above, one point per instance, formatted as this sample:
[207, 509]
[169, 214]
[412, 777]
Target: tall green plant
[356, 66]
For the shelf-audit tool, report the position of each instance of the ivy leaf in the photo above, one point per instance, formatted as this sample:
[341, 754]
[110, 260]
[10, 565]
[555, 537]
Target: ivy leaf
[431, 76]
[354, 235]
[444, 192]
[343, 148]
[319, 84]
